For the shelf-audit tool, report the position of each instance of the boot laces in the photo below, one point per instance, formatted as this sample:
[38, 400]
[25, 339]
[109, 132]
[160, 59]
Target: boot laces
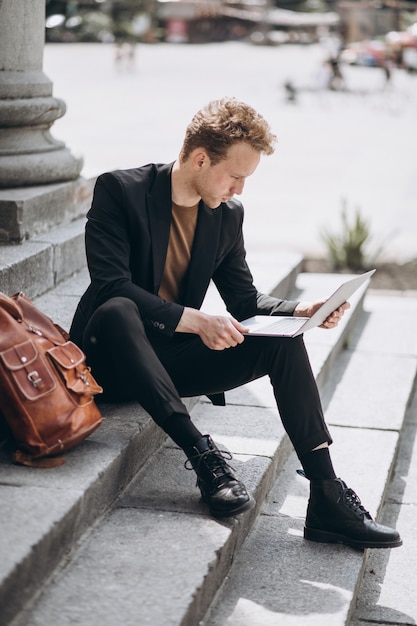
[213, 460]
[352, 500]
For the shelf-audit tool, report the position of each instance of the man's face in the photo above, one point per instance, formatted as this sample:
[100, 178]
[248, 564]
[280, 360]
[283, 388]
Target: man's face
[219, 183]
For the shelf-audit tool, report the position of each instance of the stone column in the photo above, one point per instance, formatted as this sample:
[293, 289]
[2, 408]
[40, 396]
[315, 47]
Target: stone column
[29, 155]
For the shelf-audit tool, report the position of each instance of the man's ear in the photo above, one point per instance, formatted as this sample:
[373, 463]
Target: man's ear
[200, 158]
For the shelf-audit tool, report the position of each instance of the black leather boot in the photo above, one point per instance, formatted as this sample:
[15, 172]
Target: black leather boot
[220, 489]
[335, 515]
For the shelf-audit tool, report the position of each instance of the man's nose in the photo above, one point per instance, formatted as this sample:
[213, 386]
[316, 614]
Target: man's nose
[238, 188]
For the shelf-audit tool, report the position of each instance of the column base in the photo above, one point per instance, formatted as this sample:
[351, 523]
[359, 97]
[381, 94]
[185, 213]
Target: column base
[29, 211]
[21, 170]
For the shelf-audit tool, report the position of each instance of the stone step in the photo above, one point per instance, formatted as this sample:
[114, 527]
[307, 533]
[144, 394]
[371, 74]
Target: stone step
[38, 265]
[278, 577]
[26, 212]
[156, 556]
[49, 510]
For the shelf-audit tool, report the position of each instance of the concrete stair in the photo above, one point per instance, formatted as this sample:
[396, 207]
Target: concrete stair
[46, 225]
[43, 262]
[278, 578]
[118, 534]
[48, 512]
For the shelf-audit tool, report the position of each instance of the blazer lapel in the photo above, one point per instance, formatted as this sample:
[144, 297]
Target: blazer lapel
[159, 206]
[203, 255]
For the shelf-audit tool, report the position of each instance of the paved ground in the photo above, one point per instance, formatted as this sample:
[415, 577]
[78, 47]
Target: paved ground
[356, 146]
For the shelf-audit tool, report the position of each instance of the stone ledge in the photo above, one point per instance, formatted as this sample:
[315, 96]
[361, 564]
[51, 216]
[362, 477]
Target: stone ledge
[30, 211]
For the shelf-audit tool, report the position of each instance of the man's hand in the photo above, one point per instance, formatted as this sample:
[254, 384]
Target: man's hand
[306, 309]
[217, 332]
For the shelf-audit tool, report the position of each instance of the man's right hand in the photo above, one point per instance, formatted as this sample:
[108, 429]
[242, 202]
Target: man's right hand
[217, 332]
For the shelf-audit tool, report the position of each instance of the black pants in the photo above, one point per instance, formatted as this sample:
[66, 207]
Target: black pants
[132, 363]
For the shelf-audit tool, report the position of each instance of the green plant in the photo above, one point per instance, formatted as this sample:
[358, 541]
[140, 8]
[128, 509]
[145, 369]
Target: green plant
[348, 248]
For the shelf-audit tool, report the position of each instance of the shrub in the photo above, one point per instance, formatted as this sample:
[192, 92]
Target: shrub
[348, 249]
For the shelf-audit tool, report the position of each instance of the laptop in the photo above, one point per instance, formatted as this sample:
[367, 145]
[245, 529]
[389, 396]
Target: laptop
[288, 326]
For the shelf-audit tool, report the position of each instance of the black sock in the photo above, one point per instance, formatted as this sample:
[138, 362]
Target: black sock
[317, 465]
[181, 430]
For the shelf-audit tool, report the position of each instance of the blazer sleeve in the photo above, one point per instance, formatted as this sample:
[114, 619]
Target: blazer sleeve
[111, 234]
[234, 281]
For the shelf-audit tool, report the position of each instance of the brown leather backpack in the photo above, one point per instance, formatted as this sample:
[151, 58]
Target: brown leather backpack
[46, 389]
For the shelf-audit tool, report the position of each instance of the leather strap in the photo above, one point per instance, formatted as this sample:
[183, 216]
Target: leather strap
[10, 306]
[20, 458]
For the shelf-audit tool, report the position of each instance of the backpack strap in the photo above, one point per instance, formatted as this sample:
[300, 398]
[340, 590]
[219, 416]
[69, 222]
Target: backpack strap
[20, 458]
[9, 305]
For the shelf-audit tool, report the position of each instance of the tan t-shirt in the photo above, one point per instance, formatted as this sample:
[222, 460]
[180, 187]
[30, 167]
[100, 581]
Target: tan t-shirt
[181, 237]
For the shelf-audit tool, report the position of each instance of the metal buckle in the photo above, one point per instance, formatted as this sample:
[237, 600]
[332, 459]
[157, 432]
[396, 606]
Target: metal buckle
[34, 378]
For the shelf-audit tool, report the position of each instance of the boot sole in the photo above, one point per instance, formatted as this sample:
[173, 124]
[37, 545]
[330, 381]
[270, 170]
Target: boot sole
[246, 506]
[323, 536]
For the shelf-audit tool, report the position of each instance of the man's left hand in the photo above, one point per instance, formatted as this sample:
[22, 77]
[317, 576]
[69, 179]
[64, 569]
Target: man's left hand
[306, 309]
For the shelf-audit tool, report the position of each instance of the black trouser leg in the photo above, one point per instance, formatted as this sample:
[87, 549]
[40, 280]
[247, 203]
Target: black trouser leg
[197, 370]
[157, 370]
[124, 362]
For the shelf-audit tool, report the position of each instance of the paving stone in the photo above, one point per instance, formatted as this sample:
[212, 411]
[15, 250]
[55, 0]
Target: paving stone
[370, 390]
[289, 581]
[387, 591]
[392, 330]
[387, 595]
[116, 577]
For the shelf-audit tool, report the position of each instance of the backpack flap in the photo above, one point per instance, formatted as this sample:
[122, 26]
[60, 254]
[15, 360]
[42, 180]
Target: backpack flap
[31, 374]
[69, 360]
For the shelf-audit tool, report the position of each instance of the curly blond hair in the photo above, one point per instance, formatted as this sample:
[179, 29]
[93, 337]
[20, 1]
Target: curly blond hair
[223, 123]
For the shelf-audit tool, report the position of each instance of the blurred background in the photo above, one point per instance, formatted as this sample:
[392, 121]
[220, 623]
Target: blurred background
[337, 81]
[380, 29]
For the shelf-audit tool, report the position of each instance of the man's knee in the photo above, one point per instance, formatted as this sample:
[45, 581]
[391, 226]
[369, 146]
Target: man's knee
[285, 347]
[118, 310]
[116, 319]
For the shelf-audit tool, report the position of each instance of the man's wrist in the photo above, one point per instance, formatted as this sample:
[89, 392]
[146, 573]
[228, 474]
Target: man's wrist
[190, 321]
[302, 309]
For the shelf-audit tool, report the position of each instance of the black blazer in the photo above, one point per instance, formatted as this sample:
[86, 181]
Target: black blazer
[127, 234]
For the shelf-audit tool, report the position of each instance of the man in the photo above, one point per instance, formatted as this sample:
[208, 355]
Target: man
[155, 236]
